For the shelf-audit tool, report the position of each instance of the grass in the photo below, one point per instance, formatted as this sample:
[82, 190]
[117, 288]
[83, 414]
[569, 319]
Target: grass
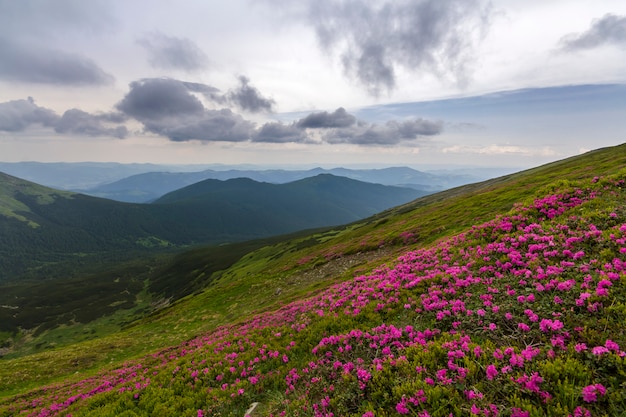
[265, 278]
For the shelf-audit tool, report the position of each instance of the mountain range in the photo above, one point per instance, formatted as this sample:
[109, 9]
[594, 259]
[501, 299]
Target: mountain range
[41, 227]
[141, 183]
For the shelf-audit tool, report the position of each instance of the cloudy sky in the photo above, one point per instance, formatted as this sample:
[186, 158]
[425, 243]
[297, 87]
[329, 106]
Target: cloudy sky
[312, 82]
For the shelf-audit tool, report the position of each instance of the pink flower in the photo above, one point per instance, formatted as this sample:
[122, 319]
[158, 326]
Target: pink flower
[590, 392]
[368, 414]
[599, 350]
[580, 347]
[285, 358]
[401, 408]
[492, 371]
[581, 412]
[363, 375]
[611, 345]
[517, 412]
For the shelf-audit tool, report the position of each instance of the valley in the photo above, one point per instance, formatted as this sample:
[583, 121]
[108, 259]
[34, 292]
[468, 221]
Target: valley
[505, 297]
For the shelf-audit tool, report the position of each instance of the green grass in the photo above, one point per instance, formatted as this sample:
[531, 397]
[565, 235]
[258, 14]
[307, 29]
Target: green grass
[267, 276]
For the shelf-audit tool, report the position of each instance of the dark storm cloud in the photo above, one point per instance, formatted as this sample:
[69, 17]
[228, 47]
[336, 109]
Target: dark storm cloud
[338, 118]
[391, 133]
[248, 98]
[374, 39]
[78, 122]
[610, 29]
[171, 53]
[275, 132]
[18, 115]
[169, 108]
[29, 63]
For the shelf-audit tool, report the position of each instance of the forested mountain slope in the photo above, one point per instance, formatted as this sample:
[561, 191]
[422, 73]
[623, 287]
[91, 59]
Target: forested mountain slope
[41, 227]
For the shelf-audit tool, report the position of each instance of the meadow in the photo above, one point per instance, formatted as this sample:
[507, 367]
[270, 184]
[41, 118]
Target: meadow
[502, 299]
[520, 315]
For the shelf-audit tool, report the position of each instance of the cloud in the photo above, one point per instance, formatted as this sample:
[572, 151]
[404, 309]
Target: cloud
[209, 92]
[171, 53]
[248, 98]
[41, 20]
[338, 118]
[340, 127]
[168, 107]
[275, 132]
[82, 123]
[34, 64]
[18, 115]
[374, 39]
[609, 30]
[152, 99]
[390, 133]
[210, 126]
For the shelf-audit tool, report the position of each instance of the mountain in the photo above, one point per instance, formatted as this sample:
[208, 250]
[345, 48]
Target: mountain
[506, 297]
[142, 183]
[149, 186]
[41, 226]
[255, 209]
[74, 175]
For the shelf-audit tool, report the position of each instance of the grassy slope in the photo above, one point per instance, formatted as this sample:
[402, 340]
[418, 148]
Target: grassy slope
[11, 207]
[274, 275]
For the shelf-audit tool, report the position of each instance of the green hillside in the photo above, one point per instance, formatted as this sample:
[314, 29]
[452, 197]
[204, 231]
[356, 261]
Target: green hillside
[503, 298]
[47, 233]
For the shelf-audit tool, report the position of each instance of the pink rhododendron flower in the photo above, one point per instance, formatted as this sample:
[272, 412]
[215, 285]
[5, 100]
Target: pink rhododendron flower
[611, 345]
[401, 408]
[599, 350]
[492, 371]
[590, 392]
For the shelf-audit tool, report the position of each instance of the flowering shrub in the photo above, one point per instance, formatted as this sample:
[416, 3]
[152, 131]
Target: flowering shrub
[520, 316]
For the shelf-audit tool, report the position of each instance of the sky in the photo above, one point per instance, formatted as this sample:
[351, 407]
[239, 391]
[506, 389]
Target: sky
[502, 83]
